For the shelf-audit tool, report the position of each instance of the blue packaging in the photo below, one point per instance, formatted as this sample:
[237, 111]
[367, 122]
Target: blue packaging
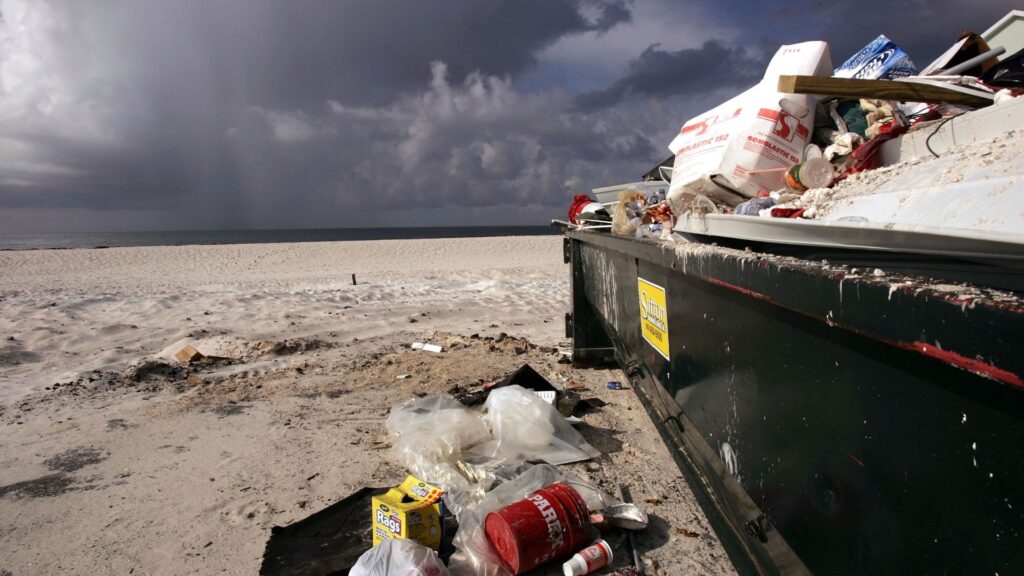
[881, 59]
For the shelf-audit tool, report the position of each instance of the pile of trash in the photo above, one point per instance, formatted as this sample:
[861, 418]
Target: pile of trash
[484, 495]
[808, 126]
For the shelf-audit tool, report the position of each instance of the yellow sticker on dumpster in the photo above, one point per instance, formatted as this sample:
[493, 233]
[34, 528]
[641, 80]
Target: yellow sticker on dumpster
[653, 316]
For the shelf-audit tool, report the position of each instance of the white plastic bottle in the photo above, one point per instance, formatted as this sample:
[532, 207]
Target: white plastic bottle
[597, 555]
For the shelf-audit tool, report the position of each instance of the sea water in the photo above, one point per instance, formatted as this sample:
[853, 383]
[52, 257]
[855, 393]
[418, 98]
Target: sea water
[201, 237]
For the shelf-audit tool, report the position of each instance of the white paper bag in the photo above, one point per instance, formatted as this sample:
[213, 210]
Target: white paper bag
[723, 152]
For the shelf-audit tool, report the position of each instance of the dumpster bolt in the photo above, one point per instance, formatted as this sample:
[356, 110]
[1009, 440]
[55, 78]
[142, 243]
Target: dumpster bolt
[759, 528]
[633, 370]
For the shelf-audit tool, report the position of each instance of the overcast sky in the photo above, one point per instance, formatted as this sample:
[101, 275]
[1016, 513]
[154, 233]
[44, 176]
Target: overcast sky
[188, 114]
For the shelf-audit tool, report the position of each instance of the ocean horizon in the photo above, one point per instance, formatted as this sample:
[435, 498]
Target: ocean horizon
[62, 241]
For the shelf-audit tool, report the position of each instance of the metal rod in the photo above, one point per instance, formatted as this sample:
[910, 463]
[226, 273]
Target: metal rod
[637, 564]
[968, 64]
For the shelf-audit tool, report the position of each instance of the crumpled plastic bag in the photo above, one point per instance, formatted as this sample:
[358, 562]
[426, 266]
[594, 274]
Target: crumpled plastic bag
[441, 442]
[429, 437]
[399, 558]
[476, 479]
[473, 552]
[525, 426]
[432, 431]
[432, 436]
[441, 416]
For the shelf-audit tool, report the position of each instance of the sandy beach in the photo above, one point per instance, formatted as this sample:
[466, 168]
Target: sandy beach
[116, 458]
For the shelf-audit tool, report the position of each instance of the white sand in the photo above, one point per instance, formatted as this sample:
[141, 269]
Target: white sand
[73, 311]
[186, 473]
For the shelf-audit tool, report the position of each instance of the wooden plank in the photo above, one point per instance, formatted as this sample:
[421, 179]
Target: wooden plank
[879, 89]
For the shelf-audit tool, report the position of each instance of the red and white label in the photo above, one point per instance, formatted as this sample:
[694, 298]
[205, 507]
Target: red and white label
[556, 534]
[596, 555]
[786, 125]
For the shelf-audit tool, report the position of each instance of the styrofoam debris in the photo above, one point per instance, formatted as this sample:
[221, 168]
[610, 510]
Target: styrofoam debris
[427, 347]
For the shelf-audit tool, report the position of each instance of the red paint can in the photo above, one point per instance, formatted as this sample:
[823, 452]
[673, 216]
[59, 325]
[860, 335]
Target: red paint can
[551, 523]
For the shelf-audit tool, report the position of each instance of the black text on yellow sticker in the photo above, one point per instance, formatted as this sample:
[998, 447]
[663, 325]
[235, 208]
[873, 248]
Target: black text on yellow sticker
[653, 316]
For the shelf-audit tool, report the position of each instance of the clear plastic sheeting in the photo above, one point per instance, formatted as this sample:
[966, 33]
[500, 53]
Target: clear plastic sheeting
[430, 436]
[399, 558]
[441, 442]
[524, 426]
[441, 416]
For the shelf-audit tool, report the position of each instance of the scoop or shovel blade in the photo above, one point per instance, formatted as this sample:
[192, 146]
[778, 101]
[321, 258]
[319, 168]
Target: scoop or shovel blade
[628, 516]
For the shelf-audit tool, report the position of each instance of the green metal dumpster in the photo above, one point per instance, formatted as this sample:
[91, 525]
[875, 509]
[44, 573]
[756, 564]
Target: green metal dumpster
[832, 420]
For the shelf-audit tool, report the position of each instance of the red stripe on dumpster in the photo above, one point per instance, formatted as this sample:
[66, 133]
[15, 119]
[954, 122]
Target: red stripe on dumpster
[964, 363]
[746, 291]
[979, 367]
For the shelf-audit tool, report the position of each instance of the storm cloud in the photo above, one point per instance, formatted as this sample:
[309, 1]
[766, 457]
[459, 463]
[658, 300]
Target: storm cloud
[265, 114]
[658, 73]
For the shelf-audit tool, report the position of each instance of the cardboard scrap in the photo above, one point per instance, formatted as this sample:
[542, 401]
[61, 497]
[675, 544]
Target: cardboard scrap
[188, 354]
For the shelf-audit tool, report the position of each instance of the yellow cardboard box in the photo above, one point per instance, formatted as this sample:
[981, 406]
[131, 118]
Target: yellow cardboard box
[412, 510]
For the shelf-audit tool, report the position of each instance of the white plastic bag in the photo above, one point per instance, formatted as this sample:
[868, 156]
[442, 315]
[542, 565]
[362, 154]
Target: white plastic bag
[734, 151]
[525, 426]
[399, 558]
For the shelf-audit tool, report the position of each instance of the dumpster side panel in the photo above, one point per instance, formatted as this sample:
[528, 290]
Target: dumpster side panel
[861, 455]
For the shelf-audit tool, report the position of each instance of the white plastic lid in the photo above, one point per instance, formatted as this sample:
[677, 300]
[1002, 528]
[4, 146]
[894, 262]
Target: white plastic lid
[575, 566]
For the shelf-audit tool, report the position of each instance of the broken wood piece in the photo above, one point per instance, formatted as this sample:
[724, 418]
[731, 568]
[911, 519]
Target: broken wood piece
[904, 90]
[188, 354]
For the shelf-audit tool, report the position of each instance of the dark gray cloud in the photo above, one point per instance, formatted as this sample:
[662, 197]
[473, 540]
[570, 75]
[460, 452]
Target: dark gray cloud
[923, 28]
[658, 73]
[259, 113]
[288, 54]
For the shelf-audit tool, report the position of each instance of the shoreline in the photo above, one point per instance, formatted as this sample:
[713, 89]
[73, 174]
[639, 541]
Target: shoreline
[167, 238]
